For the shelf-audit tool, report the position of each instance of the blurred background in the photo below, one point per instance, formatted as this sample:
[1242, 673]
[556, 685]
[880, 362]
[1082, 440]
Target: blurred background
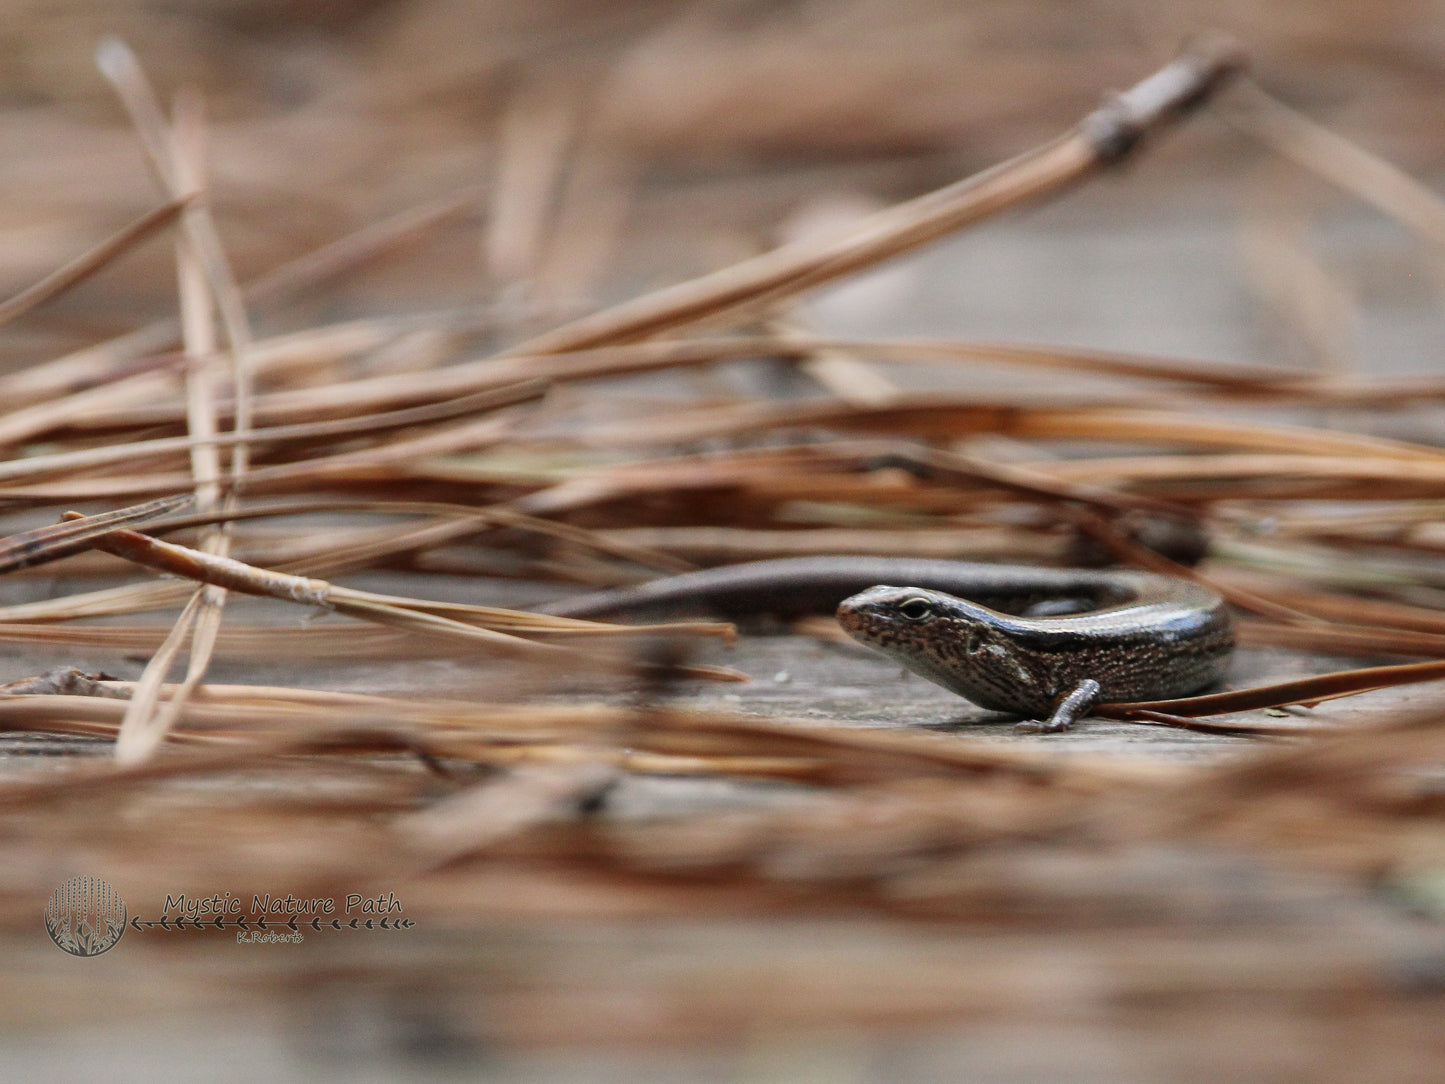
[555, 155]
[613, 146]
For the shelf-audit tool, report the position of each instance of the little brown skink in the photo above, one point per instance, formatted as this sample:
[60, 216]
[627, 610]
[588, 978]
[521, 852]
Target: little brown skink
[1008, 637]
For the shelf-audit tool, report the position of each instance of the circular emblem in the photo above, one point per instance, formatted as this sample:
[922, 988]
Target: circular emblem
[85, 916]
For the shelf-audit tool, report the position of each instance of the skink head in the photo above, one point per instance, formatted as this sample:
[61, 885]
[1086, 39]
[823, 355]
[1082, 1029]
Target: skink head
[966, 648]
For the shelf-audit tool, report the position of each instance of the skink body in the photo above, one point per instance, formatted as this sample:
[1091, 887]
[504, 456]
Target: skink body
[1007, 637]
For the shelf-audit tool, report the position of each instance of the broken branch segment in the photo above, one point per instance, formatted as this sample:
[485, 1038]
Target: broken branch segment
[235, 575]
[77, 533]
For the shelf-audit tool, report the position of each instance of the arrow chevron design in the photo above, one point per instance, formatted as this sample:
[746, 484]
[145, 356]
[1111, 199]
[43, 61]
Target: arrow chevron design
[181, 923]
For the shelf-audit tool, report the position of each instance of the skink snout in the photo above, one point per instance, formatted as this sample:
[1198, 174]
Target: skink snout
[856, 608]
[868, 612]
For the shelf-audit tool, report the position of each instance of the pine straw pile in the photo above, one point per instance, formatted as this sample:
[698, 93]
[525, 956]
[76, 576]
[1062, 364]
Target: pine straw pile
[860, 876]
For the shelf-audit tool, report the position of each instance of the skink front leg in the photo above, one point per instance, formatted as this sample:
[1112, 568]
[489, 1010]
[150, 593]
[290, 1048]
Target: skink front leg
[1075, 705]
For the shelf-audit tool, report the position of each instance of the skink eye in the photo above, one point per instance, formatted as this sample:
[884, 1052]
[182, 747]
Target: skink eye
[916, 609]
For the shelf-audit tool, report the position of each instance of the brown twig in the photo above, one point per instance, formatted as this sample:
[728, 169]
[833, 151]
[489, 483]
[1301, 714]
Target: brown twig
[75, 534]
[82, 267]
[1281, 694]
[745, 289]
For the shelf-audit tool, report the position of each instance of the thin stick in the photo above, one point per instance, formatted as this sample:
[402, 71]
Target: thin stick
[744, 289]
[74, 535]
[1330, 155]
[1299, 691]
[235, 575]
[357, 249]
[177, 162]
[955, 415]
[142, 728]
[1127, 549]
[82, 267]
[116, 360]
[108, 454]
[177, 157]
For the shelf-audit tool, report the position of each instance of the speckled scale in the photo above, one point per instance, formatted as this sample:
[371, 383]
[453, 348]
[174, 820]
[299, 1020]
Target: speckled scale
[1169, 639]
